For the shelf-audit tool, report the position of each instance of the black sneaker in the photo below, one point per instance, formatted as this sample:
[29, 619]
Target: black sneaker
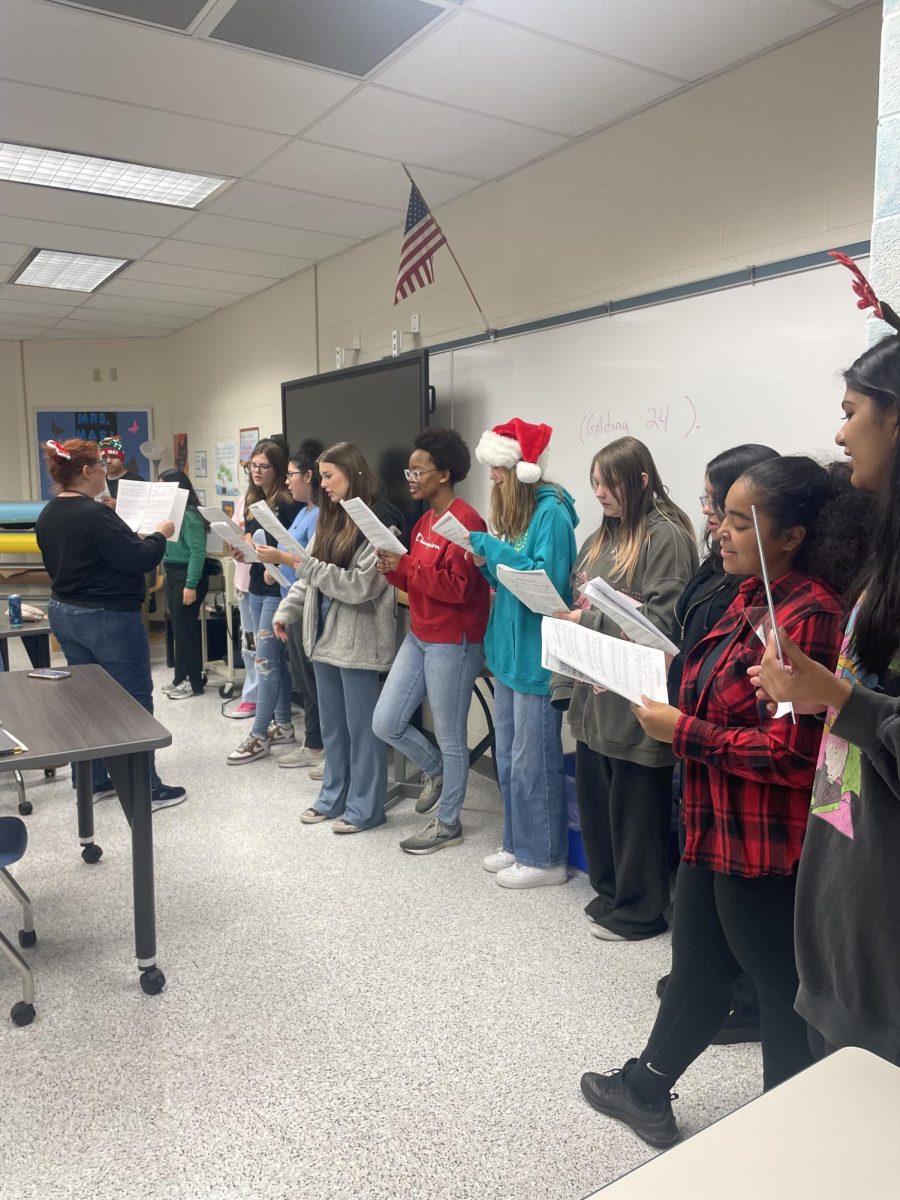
[609, 1094]
[435, 836]
[167, 797]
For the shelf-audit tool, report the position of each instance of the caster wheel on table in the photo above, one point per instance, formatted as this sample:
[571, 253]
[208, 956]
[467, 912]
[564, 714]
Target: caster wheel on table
[92, 853]
[153, 981]
[22, 1013]
[26, 808]
[49, 772]
[226, 690]
[27, 937]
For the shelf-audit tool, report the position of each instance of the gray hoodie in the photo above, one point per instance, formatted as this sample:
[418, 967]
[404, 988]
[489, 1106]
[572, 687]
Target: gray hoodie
[360, 626]
[606, 723]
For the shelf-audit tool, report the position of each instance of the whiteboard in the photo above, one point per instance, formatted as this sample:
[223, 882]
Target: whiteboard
[690, 378]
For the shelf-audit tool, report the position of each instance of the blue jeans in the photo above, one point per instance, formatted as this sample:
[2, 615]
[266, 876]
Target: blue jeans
[355, 782]
[445, 673]
[251, 683]
[529, 755]
[116, 641]
[273, 673]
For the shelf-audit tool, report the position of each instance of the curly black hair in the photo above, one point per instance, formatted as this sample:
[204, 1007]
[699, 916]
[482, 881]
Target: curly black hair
[448, 451]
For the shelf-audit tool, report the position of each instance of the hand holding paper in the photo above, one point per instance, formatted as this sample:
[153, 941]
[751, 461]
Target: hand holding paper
[145, 506]
[372, 529]
[623, 610]
[453, 530]
[533, 588]
[622, 667]
[272, 525]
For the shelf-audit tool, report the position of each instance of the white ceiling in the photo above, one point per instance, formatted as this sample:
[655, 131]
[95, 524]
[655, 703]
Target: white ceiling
[483, 88]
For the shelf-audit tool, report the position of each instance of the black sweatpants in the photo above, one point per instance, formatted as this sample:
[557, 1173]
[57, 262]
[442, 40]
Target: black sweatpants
[185, 625]
[303, 677]
[625, 811]
[723, 924]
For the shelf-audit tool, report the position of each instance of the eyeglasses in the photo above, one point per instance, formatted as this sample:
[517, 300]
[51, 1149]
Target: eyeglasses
[258, 467]
[706, 501]
[294, 474]
[416, 473]
[102, 464]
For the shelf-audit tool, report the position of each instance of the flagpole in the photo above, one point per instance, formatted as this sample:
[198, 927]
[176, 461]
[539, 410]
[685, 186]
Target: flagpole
[484, 319]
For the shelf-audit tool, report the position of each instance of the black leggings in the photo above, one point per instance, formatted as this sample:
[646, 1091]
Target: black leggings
[725, 924]
[185, 625]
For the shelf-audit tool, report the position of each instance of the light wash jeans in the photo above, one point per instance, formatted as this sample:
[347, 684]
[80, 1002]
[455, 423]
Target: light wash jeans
[251, 683]
[355, 782]
[529, 755]
[117, 641]
[445, 673]
[273, 699]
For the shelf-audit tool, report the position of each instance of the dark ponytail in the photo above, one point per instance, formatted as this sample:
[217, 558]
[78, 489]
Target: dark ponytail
[797, 491]
[306, 458]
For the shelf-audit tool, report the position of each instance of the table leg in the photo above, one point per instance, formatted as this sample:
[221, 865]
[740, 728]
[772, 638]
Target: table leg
[84, 791]
[152, 978]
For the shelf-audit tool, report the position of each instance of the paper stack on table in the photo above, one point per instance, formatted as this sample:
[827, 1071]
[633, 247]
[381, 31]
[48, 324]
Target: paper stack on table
[623, 610]
[534, 588]
[144, 506]
[620, 666]
[370, 527]
[453, 530]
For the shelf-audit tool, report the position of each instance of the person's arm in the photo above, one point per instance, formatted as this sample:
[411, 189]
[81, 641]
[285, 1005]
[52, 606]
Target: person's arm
[871, 721]
[356, 584]
[553, 549]
[194, 531]
[777, 750]
[122, 548]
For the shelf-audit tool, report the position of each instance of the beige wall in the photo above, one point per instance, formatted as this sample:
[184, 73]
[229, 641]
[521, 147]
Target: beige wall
[770, 160]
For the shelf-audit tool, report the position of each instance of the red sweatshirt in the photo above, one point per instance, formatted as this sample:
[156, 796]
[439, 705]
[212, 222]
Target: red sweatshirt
[449, 598]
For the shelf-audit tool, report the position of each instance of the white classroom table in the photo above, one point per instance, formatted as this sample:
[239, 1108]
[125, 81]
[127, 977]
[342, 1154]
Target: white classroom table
[830, 1133]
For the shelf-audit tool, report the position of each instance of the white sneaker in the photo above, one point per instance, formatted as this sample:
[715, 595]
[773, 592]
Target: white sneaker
[318, 771]
[251, 748]
[184, 691]
[302, 757]
[497, 861]
[519, 876]
[279, 735]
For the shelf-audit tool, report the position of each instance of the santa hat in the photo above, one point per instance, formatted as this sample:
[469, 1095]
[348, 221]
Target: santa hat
[111, 447]
[515, 444]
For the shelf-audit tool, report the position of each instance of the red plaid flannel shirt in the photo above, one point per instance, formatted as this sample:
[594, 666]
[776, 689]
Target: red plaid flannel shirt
[748, 776]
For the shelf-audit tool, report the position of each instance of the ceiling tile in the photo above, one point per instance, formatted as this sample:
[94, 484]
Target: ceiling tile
[47, 298]
[348, 175]
[522, 76]
[140, 289]
[25, 321]
[342, 35]
[196, 277]
[94, 212]
[101, 56]
[53, 236]
[64, 121]
[111, 316]
[11, 255]
[223, 258]
[87, 330]
[187, 312]
[15, 305]
[254, 235]
[19, 333]
[412, 130]
[660, 34]
[177, 14]
[304, 210]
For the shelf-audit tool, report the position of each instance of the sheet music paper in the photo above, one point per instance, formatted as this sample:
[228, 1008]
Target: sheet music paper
[215, 516]
[630, 619]
[620, 666]
[271, 524]
[144, 506]
[782, 709]
[372, 529]
[274, 572]
[533, 588]
[453, 530]
[232, 536]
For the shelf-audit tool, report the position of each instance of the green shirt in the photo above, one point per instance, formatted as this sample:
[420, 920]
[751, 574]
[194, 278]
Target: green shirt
[190, 548]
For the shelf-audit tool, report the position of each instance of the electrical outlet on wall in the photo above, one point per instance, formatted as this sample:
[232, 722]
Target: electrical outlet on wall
[414, 323]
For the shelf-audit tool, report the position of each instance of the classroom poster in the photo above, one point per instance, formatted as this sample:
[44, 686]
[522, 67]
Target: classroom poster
[133, 426]
[226, 479]
[201, 496]
[180, 451]
[199, 464]
[248, 439]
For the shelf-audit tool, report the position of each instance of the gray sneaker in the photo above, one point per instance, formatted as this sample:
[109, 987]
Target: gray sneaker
[302, 757]
[430, 793]
[435, 836]
[184, 691]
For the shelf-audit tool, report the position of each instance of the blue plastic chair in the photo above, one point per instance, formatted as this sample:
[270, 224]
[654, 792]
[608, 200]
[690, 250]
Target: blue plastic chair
[13, 841]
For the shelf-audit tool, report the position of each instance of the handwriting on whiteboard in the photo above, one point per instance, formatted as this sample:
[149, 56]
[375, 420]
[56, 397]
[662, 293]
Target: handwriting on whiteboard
[678, 418]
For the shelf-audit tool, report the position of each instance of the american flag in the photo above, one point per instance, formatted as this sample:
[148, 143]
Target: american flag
[421, 238]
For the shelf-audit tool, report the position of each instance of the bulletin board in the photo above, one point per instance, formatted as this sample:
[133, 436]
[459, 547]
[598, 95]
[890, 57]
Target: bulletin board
[133, 426]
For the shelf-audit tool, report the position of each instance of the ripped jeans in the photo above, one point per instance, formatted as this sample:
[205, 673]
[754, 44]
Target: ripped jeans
[273, 699]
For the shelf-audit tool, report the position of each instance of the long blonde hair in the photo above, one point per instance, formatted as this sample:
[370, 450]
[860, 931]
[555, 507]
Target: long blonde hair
[336, 534]
[621, 465]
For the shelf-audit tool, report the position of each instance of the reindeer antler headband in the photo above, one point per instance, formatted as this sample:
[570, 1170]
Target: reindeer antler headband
[865, 292]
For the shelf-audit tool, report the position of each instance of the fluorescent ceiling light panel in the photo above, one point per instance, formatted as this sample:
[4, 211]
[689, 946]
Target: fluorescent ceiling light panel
[72, 272]
[104, 176]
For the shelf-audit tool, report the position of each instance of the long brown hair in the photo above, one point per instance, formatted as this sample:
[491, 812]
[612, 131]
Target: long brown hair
[336, 535]
[513, 503]
[621, 465]
[276, 492]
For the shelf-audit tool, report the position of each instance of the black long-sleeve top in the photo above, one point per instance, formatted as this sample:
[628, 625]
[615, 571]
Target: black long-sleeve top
[93, 558]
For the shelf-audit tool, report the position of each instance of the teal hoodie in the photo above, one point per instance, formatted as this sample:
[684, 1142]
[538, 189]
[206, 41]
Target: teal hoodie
[512, 643]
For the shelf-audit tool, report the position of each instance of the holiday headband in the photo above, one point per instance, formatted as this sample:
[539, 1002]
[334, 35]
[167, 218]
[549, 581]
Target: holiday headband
[515, 444]
[865, 292]
[111, 447]
[59, 450]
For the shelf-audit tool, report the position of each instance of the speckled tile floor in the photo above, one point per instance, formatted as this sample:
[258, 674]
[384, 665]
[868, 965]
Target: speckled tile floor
[341, 1021]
